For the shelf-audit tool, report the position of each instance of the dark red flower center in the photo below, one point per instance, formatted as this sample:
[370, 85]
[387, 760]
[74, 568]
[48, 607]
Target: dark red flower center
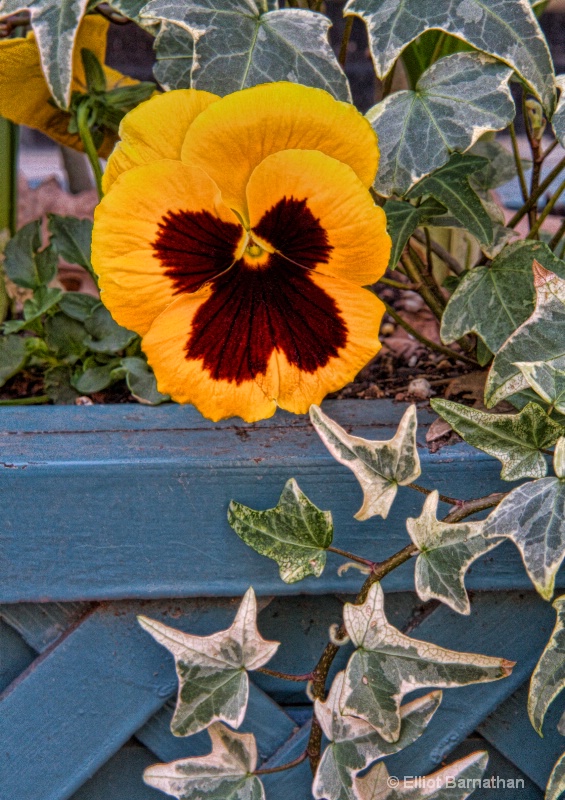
[254, 310]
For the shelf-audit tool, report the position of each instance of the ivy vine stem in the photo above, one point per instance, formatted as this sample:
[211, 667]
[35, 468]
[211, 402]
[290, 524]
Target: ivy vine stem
[283, 767]
[518, 160]
[88, 144]
[547, 181]
[441, 253]
[546, 211]
[351, 556]
[286, 676]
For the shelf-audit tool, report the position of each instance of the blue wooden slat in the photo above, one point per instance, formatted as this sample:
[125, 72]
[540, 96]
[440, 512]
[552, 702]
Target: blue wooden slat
[15, 655]
[41, 624]
[138, 508]
[121, 778]
[294, 783]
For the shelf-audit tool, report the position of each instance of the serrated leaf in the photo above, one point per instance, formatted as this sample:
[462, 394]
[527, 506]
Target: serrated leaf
[454, 102]
[72, 239]
[173, 57]
[454, 782]
[450, 185]
[55, 24]
[226, 773]
[387, 665]
[494, 301]
[354, 744]
[295, 533]
[379, 466]
[141, 382]
[13, 356]
[533, 517]
[547, 380]
[556, 783]
[447, 550]
[212, 670]
[548, 677]
[106, 336]
[244, 45]
[516, 440]
[25, 263]
[403, 218]
[539, 338]
[506, 30]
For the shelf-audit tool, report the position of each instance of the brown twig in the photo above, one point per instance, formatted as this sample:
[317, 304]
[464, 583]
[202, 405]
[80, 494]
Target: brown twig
[342, 58]
[283, 767]
[285, 676]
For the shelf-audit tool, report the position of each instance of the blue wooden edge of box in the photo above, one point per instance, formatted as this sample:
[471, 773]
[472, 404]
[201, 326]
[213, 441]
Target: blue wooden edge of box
[128, 501]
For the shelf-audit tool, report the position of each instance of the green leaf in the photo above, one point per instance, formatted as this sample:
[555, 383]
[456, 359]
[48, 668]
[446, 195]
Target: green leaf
[447, 550]
[454, 782]
[450, 185]
[501, 167]
[533, 517]
[558, 119]
[388, 665]
[72, 239]
[13, 356]
[55, 24]
[57, 385]
[556, 783]
[94, 379]
[539, 338]
[141, 382]
[65, 336]
[559, 458]
[546, 380]
[548, 678]
[506, 30]
[25, 263]
[354, 744]
[379, 466]
[402, 220]
[295, 533]
[455, 101]
[77, 305]
[106, 336]
[212, 670]
[242, 45]
[493, 301]
[515, 439]
[226, 773]
[43, 300]
[174, 57]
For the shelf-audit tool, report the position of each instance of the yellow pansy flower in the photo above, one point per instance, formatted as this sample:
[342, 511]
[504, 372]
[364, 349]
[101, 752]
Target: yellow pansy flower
[24, 94]
[236, 237]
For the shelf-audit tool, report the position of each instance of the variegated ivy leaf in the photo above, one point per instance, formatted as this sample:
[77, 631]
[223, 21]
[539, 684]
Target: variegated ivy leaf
[556, 783]
[387, 665]
[547, 380]
[454, 102]
[379, 466]
[559, 458]
[212, 670]
[173, 57]
[548, 678]
[455, 782]
[354, 744]
[244, 43]
[493, 301]
[533, 517]
[516, 440]
[55, 24]
[540, 338]
[295, 533]
[226, 773]
[402, 219]
[558, 119]
[506, 29]
[501, 166]
[447, 550]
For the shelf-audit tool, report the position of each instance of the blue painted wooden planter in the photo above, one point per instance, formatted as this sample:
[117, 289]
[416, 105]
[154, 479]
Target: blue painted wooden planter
[107, 510]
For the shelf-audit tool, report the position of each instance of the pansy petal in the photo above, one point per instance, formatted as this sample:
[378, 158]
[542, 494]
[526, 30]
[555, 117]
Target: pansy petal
[230, 138]
[315, 211]
[155, 130]
[257, 338]
[161, 231]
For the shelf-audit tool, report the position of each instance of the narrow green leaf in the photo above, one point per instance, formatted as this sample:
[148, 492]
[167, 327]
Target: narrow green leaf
[455, 101]
[13, 356]
[25, 263]
[379, 466]
[388, 665]
[506, 30]
[72, 238]
[226, 773]
[447, 550]
[295, 533]
[548, 678]
[212, 670]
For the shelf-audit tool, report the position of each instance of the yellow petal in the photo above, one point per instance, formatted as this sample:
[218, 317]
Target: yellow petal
[162, 230]
[230, 138]
[155, 130]
[300, 199]
[257, 338]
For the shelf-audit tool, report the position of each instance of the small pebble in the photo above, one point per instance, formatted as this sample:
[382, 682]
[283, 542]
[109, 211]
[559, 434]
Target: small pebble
[420, 389]
[412, 302]
[84, 401]
[387, 329]
[444, 364]
[413, 360]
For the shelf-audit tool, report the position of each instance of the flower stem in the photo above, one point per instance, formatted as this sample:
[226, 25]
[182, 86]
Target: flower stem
[351, 556]
[557, 169]
[283, 767]
[518, 160]
[89, 148]
[38, 399]
[417, 273]
[558, 236]
[546, 211]
[342, 58]
[441, 252]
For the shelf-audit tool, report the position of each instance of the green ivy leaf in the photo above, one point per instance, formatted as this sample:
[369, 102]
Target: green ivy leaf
[226, 773]
[494, 301]
[354, 744]
[402, 220]
[515, 439]
[388, 665]
[212, 670]
[295, 533]
[507, 31]
[455, 101]
[454, 782]
[243, 45]
[547, 380]
[141, 382]
[25, 263]
[173, 57]
[548, 678]
[106, 336]
[539, 338]
[447, 550]
[556, 783]
[379, 466]
[501, 167]
[450, 185]
[72, 239]
[13, 356]
[558, 119]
